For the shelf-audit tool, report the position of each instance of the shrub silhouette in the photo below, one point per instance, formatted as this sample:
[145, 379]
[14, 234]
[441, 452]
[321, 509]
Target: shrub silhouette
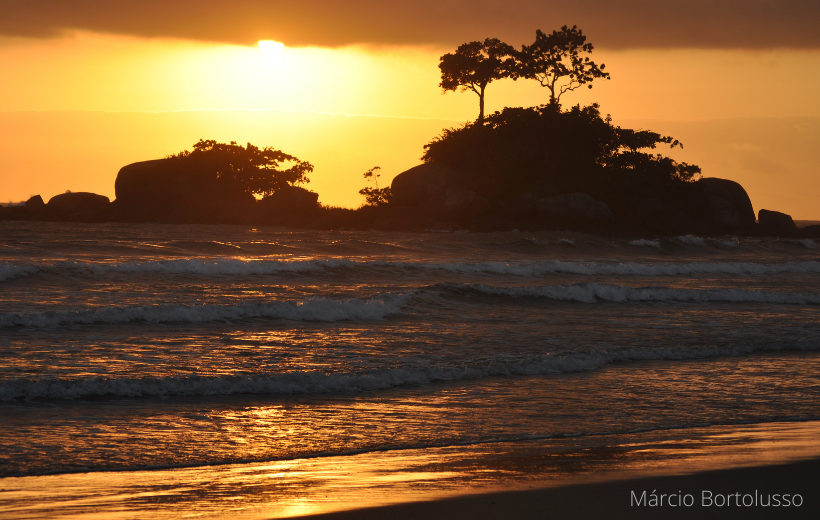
[375, 196]
[248, 169]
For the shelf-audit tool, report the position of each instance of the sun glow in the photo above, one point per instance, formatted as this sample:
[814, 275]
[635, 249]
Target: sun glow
[271, 47]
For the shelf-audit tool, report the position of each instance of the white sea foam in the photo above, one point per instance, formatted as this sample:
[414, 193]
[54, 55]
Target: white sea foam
[626, 268]
[228, 266]
[313, 309]
[691, 240]
[811, 244]
[732, 242]
[646, 242]
[593, 292]
[9, 271]
[237, 267]
[321, 382]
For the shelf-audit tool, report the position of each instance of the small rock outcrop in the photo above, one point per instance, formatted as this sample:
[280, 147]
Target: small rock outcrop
[812, 231]
[288, 206]
[776, 224]
[35, 202]
[80, 202]
[290, 199]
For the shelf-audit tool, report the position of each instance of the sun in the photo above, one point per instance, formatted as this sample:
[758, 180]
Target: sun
[271, 47]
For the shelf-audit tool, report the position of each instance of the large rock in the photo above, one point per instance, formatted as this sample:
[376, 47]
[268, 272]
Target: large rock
[464, 204]
[71, 203]
[776, 224]
[647, 207]
[731, 208]
[522, 206]
[574, 206]
[164, 190]
[420, 184]
[147, 181]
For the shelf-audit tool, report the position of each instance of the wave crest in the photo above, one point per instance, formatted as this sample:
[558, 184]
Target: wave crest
[319, 382]
[229, 267]
[313, 309]
[593, 292]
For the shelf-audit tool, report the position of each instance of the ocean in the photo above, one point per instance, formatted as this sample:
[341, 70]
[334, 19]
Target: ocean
[151, 348]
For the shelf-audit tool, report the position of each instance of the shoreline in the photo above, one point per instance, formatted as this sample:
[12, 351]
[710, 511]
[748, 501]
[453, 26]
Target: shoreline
[623, 498]
[515, 480]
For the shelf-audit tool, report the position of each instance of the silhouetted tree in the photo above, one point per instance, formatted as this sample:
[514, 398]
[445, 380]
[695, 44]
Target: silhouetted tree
[555, 60]
[250, 169]
[375, 196]
[476, 64]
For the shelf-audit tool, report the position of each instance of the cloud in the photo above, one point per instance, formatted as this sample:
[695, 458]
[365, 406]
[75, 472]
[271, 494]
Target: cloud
[749, 24]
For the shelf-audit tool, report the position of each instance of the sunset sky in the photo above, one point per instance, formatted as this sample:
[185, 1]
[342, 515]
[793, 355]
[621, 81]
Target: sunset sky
[89, 86]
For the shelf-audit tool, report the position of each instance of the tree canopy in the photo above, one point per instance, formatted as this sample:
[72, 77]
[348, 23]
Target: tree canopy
[557, 61]
[550, 152]
[249, 169]
[476, 64]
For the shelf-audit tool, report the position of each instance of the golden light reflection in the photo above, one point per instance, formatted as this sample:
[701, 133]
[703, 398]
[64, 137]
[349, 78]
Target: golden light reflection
[326, 484]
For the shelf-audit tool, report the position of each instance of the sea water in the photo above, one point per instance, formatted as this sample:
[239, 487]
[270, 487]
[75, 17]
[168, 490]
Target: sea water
[140, 346]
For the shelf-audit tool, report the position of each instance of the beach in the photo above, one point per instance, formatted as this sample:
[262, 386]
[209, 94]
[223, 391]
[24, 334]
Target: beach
[615, 499]
[156, 371]
[579, 479]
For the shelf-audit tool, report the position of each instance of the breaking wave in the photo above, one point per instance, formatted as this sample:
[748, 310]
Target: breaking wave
[593, 292]
[646, 242]
[313, 309]
[535, 268]
[313, 382]
[9, 271]
[691, 240]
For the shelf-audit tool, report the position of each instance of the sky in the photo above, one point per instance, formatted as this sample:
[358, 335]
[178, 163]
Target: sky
[89, 86]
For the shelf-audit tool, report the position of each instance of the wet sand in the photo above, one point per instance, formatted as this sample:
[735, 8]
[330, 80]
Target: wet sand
[614, 499]
[551, 478]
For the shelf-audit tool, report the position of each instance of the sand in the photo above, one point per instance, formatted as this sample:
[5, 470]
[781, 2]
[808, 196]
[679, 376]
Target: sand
[611, 500]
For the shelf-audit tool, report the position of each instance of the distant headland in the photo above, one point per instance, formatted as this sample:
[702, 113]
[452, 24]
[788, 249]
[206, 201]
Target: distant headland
[536, 168]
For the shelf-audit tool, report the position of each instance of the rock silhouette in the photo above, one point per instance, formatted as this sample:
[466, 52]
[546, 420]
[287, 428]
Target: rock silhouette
[776, 224]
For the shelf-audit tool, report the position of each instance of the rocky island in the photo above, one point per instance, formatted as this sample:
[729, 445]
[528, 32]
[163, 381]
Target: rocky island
[536, 168]
[530, 169]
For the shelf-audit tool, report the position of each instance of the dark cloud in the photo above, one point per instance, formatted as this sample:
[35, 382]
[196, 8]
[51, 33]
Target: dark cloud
[756, 24]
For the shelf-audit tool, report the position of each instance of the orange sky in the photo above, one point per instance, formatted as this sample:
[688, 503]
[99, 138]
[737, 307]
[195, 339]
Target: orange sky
[76, 106]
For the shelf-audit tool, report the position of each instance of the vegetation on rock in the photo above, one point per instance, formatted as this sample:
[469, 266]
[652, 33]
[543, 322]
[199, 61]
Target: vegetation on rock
[547, 151]
[249, 169]
[375, 196]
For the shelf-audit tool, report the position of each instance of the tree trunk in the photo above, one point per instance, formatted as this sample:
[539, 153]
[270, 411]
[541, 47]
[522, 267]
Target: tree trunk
[481, 106]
